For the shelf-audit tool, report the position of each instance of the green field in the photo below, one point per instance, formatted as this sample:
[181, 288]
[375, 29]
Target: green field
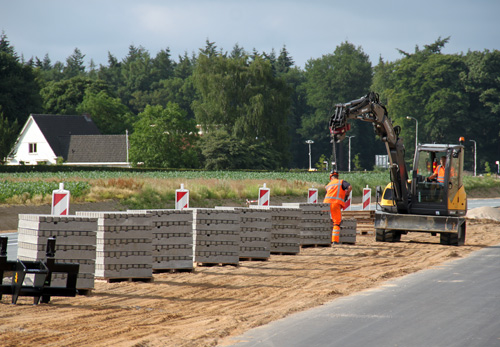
[152, 189]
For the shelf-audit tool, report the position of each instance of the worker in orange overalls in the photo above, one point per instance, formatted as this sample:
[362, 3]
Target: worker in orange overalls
[439, 171]
[337, 191]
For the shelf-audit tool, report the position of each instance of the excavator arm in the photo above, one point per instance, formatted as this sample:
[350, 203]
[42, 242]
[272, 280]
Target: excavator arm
[369, 109]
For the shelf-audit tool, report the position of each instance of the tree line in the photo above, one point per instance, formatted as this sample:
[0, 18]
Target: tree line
[236, 109]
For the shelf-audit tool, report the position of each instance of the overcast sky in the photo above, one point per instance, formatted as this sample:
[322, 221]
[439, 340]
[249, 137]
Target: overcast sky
[308, 29]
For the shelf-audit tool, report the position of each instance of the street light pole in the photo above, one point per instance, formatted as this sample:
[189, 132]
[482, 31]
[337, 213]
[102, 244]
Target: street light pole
[350, 151]
[309, 142]
[416, 131]
[475, 157]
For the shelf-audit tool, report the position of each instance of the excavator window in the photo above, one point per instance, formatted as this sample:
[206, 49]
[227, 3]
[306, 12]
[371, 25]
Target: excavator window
[428, 190]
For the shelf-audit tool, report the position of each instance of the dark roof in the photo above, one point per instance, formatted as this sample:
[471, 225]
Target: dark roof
[97, 149]
[58, 128]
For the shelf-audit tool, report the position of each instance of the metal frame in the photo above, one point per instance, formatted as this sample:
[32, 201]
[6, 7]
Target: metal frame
[41, 291]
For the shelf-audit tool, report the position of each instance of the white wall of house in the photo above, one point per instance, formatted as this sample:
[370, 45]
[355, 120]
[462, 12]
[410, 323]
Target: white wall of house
[32, 147]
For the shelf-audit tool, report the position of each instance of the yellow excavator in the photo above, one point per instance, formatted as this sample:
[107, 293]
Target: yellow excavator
[420, 203]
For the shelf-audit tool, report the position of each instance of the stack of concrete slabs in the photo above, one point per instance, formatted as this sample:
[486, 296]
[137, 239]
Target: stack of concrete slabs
[348, 230]
[75, 244]
[255, 232]
[124, 245]
[285, 230]
[173, 246]
[216, 236]
[315, 225]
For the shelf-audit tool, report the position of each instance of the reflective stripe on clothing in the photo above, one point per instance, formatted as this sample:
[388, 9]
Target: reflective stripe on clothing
[336, 213]
[440, 173]
[334, 192]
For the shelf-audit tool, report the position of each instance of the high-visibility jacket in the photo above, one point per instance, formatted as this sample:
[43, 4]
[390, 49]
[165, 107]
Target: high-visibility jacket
[334, 192]
[440, 173]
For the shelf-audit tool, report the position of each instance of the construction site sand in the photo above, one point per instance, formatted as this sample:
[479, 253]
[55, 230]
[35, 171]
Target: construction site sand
[208, 306]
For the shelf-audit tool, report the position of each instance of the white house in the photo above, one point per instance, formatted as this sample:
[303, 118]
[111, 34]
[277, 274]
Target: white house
[74, 139]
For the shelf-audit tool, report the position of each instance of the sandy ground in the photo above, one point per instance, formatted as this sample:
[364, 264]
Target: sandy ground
[208, 306]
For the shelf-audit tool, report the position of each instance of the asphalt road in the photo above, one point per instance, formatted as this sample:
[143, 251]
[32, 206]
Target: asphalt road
[455, 304]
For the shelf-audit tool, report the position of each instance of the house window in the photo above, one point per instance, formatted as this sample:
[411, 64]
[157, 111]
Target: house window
[32, 148]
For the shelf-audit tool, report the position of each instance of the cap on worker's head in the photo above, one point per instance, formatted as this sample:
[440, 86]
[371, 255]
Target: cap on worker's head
[334, 173]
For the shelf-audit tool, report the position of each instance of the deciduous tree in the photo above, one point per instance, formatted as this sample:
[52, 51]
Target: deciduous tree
[164, 137]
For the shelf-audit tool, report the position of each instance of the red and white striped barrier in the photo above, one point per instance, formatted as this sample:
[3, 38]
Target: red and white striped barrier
[312, 196]
[60, 201]
[347, 203]
[264, 195]
[367, 195]
[181, 198]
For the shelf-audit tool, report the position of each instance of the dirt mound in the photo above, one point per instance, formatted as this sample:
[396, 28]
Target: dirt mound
[486, 212]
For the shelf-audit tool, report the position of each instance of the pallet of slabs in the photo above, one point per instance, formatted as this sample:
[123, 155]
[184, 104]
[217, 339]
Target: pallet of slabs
[172, 239]
[348, 231]
[123, 245]
[285, 230]
[365, 220]
[255, 232]
[75, 243]
[315, 225]
[216, 236]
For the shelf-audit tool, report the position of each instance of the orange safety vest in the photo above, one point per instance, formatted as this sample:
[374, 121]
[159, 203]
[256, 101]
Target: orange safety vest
[440, 173]
[334, 192]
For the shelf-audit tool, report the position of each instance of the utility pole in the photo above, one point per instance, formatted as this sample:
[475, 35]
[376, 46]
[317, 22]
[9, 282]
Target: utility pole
[309, 142]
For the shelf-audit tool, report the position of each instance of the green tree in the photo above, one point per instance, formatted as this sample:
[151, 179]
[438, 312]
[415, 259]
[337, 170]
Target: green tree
[284, 62]
[337, 78]
[482, 86]
[19, 90]
[8, 136]
[244, 99]
[222, 151]
[109, 114]
[111, 74]
[163, 66]
[75, 64]
[295, 79]
[428, 87]
[63, 97]
[164, 137]
[46, 72]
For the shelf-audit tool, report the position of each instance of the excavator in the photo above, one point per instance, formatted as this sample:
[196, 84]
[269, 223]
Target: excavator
[410, 203]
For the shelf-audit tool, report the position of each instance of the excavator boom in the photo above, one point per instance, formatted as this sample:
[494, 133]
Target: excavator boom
[369, 109]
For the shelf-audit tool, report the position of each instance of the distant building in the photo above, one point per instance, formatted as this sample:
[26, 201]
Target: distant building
[76, 140]
[382, 161]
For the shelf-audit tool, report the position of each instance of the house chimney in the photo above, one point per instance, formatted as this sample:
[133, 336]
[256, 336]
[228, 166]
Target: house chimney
[87, 117]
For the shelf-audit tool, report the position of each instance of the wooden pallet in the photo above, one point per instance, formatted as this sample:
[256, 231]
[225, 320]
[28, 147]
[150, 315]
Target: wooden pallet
[159, 271]
[125, 279]
[284, 253]
[216, 264]
[253, 259]
[316, 245]
[85, 291]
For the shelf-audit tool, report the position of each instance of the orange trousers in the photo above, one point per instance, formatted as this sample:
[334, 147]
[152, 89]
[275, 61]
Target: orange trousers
[336, 213]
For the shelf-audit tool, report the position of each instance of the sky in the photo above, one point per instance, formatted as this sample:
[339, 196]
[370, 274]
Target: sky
[308, 29]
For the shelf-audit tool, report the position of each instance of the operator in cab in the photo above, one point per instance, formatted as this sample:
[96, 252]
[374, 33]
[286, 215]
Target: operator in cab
[337, 192]
[439, 171]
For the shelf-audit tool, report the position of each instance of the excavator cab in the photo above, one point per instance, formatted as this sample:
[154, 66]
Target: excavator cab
[441, 196]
